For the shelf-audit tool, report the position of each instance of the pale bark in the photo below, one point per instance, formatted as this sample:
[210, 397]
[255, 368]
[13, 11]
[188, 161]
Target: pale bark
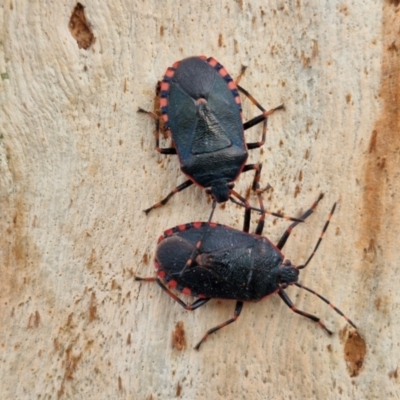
[78, 166]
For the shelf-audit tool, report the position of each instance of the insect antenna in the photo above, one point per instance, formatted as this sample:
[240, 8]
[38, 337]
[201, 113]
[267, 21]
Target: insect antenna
[327, 302]
[320, 238]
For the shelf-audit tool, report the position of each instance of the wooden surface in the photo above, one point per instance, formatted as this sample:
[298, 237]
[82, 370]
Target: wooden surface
[78, 166]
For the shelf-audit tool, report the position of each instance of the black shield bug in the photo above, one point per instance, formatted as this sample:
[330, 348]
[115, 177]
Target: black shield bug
[229, 264]
[201, 107]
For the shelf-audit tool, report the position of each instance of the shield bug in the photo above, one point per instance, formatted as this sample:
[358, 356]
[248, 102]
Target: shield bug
[201, 107]
[230, 264]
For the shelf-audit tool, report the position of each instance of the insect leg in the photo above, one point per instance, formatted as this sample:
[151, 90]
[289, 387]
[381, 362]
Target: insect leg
[238, 309]
[259, 118]
[190, 307]
[179, 188]
[256, 120]
[168, 150]
[255, 187]
[242, 70]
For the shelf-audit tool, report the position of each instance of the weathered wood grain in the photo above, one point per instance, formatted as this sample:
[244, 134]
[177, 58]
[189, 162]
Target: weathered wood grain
[78, 166]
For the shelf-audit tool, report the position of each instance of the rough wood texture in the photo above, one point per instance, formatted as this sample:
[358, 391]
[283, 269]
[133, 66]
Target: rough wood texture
[78, 166]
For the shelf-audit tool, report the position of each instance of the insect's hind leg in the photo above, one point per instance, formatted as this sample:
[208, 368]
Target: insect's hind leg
[256, 120]
[190, 307]
[259, 118]
[238, 310]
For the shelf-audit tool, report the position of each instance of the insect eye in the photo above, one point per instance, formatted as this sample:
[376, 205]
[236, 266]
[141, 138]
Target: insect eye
[231, 185]
[283, 285]
[208, 191]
